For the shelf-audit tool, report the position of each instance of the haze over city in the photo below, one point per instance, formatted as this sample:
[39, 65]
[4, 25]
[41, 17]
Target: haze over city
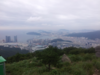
[30, 20]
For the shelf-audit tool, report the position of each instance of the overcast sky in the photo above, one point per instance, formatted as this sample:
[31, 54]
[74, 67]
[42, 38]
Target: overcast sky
[49, 14]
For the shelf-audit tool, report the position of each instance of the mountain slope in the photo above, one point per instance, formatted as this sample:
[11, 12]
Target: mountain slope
[89, 35]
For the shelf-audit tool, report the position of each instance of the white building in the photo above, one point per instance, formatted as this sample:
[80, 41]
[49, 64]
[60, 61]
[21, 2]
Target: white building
[38, 47]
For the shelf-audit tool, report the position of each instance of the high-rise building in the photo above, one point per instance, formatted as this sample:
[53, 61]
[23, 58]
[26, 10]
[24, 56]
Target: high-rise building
[15, 38]
[8, 39]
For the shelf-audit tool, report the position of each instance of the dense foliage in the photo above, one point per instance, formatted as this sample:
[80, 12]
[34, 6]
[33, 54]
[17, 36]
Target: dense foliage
[73, 50]
[49, 56]
[8, 52]
[18, 57]
[53, 50]
[82, 64]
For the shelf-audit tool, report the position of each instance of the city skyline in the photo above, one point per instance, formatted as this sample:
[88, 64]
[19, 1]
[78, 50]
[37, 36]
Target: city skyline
[9, 40]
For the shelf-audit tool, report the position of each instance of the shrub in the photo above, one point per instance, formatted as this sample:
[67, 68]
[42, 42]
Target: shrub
[97, 64]
[87, 57]
[66, 69]
[66, 64]
[54, 72]
[42, 70]
[59, 65]
[89, 67]
[62, 64]
[29, 72]
[75, 58]
[79, 71]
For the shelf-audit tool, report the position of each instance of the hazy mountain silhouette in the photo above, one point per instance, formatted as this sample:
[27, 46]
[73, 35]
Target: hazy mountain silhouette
[90, 35]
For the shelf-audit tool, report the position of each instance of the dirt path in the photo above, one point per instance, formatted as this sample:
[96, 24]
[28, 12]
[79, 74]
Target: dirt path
[96, 72]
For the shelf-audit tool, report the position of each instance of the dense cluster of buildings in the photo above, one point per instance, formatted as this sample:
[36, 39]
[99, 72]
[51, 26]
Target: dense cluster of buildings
[68, 42]
[40, 44]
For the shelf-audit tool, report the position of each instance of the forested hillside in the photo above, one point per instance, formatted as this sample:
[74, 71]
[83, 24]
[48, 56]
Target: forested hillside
[49, 62]
[8, 52]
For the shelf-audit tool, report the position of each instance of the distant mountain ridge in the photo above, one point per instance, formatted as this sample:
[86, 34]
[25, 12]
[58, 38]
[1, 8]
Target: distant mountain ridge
[90, 35]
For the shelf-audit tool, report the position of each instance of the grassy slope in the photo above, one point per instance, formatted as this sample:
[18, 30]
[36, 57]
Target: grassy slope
[83, 64]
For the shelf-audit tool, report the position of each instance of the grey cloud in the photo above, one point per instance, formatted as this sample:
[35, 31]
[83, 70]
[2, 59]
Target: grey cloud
[58, 14]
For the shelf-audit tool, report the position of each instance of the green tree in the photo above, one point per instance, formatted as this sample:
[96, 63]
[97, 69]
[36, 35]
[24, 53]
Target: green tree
[49, 57]
[67, 50]
[90, 50]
